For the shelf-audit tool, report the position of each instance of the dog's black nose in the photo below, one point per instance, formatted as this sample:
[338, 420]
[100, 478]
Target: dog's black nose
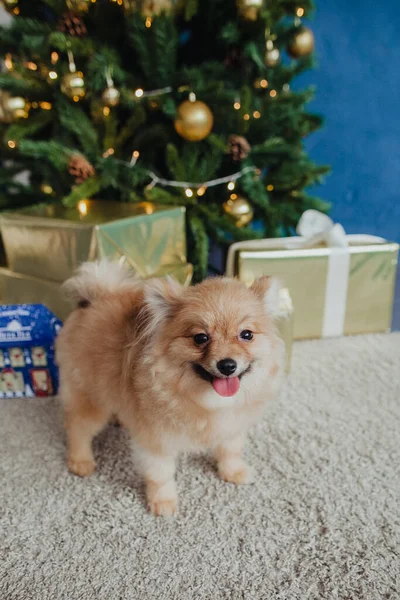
[227, 366]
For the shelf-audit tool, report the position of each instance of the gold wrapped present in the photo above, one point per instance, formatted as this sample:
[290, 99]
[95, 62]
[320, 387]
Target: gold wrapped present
[25, 289]
[50, 241]
[339, 284]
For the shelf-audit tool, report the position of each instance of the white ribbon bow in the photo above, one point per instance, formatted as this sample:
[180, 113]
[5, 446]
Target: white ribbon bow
[316, 227]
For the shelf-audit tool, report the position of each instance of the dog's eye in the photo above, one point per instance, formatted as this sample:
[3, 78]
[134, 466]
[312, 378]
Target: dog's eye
[246, 334]
[200, 338]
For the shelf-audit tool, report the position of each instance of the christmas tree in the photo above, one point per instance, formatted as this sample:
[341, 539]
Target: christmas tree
[180, 103]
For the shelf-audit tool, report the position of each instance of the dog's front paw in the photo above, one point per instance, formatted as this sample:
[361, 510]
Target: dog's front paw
[83, 468]
[162, 498]
[164, 508]
[235, 471]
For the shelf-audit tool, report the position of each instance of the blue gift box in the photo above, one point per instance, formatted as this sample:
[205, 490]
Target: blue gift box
[27, 353]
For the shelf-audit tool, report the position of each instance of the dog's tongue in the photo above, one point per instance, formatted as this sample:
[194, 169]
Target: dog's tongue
[226, 387]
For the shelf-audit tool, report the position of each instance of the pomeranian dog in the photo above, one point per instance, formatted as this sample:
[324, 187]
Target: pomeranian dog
[183, 369]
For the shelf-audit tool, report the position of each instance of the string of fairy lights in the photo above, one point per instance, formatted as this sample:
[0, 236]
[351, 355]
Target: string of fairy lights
[191, 188]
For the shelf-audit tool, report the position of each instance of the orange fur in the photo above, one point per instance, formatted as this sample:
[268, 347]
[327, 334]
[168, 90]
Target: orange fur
[130, 353]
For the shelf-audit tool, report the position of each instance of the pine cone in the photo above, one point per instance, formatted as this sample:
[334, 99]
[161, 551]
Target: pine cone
[80, 168]
[71, 24]
[239, 147]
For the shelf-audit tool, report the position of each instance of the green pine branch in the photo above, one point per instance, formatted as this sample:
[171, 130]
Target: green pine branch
[56, 154]
[74, 119]
[18, 86]
[28, 127]
[85, 190]
[80, 47]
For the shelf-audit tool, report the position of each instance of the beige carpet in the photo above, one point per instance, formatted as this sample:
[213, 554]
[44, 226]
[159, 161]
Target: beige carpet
[322, 520]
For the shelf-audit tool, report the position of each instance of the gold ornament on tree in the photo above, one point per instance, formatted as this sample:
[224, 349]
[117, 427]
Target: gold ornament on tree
[12, 107]
[80, 168]
[79, 7]
[194, 119]
[110, 96]
[239, 209]
[73, 83]
[301, 43]
[249, 9]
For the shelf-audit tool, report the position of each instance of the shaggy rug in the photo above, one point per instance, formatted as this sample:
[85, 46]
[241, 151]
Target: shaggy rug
[321, 521]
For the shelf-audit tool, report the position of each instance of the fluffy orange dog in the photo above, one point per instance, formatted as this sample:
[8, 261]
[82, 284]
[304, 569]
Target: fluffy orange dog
[182, 369]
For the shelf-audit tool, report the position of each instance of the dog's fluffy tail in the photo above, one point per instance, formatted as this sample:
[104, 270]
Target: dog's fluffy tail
[93, 280]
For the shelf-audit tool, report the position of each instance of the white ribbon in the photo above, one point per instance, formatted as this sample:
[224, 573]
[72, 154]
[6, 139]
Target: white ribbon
[314, 228]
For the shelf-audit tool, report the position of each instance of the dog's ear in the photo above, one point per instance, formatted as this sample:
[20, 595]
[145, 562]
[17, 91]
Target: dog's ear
[161, 297]
[267, 289]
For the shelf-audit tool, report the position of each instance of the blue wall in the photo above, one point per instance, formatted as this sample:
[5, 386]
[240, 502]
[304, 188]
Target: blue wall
[358, 93]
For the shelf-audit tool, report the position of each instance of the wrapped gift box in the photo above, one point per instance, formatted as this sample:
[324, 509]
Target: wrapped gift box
[19, 289]
[27, 354]
[335, 290]
[50, 241]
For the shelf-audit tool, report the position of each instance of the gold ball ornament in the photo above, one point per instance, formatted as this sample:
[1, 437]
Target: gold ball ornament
[12, 107]
[73, 85]
[249, 9]
[194, 120]
[239, 209]
[302, 43]
[79, 7]
[110, 96]
[272, 56]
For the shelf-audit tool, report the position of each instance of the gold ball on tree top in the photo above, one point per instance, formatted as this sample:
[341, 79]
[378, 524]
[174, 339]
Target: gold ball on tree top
[194, 120]
[249, 9]
[239, 209]
[73, 85]
[301, 43]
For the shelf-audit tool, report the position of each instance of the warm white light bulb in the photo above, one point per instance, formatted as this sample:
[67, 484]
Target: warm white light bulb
[82, 208]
